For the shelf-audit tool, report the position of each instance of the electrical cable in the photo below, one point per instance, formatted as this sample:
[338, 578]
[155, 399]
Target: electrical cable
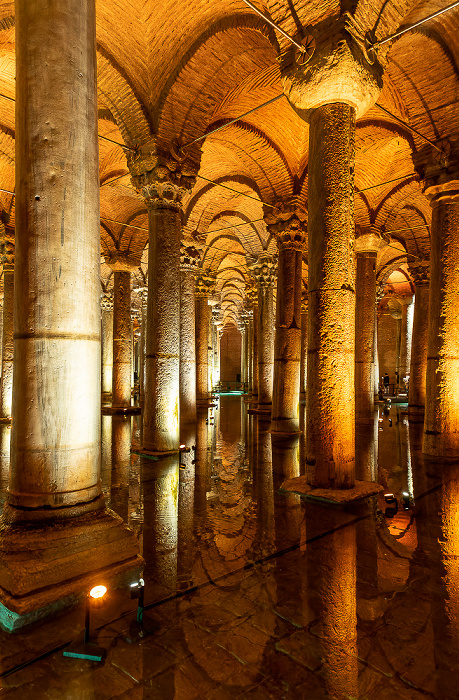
[415, 131]
[412, 26]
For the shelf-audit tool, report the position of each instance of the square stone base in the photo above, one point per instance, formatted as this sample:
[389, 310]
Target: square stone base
[336, 497]
[50, 565]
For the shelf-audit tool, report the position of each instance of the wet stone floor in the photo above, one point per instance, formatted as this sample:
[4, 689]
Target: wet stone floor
[255, 593]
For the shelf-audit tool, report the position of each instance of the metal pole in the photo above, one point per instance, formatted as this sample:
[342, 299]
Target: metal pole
[412, 26]
[275, 26]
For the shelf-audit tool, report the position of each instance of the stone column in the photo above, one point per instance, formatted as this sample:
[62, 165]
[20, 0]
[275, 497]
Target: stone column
[264, 272]
[289, 227]
[143, 332]
[249, 327]
[189, 260]
[406, 336]
[6, 385]
[203, 289]
[441, 422]
[304, 343]
[106, 306]
[252, 296]
[216, 326]
[366, 246]
[334, 87]
[163, 180]
[243, 331]
[122, 330]
[417, 386]
[55, 442]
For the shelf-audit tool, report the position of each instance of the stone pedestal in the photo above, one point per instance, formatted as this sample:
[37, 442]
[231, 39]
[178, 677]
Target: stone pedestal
[56, 537]
[417, 387]
[289, 227]
[6, 385]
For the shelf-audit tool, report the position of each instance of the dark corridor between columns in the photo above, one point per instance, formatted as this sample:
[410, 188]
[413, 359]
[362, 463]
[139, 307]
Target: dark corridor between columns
[257, 593]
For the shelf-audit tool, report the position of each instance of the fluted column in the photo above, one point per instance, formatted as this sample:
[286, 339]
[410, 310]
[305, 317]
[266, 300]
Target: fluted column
[264, 272]
[6, 384]
[189, 260]
[367, 246]
[163, 180]
[106, 306]
[331, 90]
[203, 289]
[55, 441]
[417, 387]
[289, 227]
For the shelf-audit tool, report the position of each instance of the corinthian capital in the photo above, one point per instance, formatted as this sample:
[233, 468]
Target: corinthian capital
[205, 285]
[264, 269]
[420, 272]
[7, 247]
[106, 301]
[162, 177]
[288, 223]
[190, 257]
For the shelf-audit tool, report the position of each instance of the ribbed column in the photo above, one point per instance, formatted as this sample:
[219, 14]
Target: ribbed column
[289, 228]
[417, 387]
[441, 422]
[331, 285]
[106, 307]
[304, 343]
[6, 384]
[264, 272]
[366, 250]
[203, 289]
[162, 182]
[189, 260]
[55, 442]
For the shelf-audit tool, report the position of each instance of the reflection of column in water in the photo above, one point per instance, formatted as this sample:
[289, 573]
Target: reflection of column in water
[286, 465]
[263, 490]
[106, 454]
[409, 469]
[366, 450]
[202, 476]
[186, 509]
[121, 459]
[160, 496]
[331, 567]
[5, 435]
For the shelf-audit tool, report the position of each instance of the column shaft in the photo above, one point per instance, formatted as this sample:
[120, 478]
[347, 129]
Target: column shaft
[107, 347]
[304, 351]
[331, 284]
[417, 387]
[7, 343]
[265, 345]
[441, 422]
[364, 336]
[202, 356]
[254, 357]
[122, 339]
[162, 357]
[187, 348]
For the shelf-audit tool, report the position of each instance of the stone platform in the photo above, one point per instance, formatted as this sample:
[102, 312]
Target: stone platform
[337, 497]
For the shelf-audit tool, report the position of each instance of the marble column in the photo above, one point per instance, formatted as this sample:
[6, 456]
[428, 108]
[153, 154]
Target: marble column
[331, 90]
[203, 289]
[6, 384]
[55, 441]
[264, 271]
[106, 306]
[216, 326]
[243, 331]
[304, 344]
[417, 386]
[122, 339]
[162, 180]
[366, 247]
[406, 336]
[441, 421]
[142, 349]
[189, 261]
[252, 296]
[288, 226]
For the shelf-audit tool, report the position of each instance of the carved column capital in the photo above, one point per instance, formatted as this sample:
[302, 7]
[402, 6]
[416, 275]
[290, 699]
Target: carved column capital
[119, 261]
[264, 269]
[288, 223]
[205, 285]
[190, 258]
[438, 170]
[143, 295]
[106, 301]
[251, 295]
[420, 272]
[162, 177]
[7, 247]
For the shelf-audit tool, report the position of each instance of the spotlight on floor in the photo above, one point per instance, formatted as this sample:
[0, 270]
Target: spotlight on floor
[83, 647]
[142, 625]
[406, 500]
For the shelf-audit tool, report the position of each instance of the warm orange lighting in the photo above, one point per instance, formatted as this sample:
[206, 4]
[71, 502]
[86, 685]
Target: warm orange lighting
[98, 591]
[182, 447]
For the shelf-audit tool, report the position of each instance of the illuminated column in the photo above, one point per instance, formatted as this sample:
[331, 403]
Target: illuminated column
[289, 228]
[122, 331]
[6, 385]
[189, 261]
[55, 441]
[249, 326]
[243, 331]
[216, 326]
[441, 421]
[336, 85]
[304, 343]
[264, 272]
[203, 289]
[252, 296]
[406, 336]
[106, 306]
[143, 333]
[163, 181]
[121, 462]
[417, 372]
[366, 247]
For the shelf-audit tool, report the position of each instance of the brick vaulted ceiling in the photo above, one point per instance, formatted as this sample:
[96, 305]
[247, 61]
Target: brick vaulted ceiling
[176, 69]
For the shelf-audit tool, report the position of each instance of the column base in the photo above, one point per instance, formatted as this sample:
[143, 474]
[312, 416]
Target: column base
[335, 497]
[49, 565]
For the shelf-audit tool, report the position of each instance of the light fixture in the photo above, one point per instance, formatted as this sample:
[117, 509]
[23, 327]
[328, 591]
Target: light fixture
[142, 625]
[83, 647]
